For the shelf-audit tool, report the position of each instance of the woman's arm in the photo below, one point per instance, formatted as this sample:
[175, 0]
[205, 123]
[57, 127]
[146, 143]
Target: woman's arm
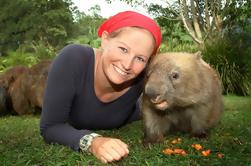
[59, 94]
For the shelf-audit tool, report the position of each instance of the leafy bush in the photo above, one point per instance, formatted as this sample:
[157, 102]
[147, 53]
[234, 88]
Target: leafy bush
[17, 58]
[43, 51]
[233, 64]
[27, 54]
[174, 45]
[84, 39]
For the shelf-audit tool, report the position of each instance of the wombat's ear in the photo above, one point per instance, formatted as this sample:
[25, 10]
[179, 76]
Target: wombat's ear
[198, 55]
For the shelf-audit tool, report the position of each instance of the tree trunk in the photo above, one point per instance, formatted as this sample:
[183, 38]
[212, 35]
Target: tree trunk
[185, 19]
[195, 21]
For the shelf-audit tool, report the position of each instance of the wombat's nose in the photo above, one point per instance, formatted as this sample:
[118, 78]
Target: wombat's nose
[151, 92]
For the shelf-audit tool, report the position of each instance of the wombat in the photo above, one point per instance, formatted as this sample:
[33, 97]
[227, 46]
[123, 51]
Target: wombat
[182, 93]
[7, 79]
[28, 90]
[10, 75]
[3, 102]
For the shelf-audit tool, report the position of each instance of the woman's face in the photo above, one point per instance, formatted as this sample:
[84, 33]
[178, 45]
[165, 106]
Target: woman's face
[126, 55]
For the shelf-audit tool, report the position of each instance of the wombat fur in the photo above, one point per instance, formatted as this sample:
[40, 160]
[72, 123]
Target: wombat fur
[182, 93]
[28, 90]
[6, 80]
[10, 75]
[3, 102]
[23, 87]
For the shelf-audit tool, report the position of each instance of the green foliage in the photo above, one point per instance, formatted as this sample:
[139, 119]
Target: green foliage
[24, 21]
[42, 51]
[232, 63]
[231, 53]
[27, 55]
[174, 45]
[86, 28]
[17, 58]
[172, 30]
[89, 39]
[237, 12]
[21, 143]
[50, 33]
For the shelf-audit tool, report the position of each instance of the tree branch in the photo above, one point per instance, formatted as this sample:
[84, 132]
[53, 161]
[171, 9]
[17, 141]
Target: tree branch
[190, 31]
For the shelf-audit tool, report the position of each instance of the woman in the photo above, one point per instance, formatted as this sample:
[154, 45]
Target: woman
[95, 89]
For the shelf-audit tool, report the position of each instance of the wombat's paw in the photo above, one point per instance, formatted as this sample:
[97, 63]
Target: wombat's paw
[200, 135]
[147, 141]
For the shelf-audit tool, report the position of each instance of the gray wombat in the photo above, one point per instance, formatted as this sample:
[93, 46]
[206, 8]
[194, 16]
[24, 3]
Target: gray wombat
[182, 93]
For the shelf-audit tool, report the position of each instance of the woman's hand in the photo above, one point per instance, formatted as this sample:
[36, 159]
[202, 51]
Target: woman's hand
[108, 149]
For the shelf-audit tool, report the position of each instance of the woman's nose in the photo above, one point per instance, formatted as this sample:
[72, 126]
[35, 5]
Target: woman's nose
[127, 62]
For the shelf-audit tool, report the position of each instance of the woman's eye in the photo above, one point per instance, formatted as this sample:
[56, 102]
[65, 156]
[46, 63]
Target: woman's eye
[124, 50]
[141, 59]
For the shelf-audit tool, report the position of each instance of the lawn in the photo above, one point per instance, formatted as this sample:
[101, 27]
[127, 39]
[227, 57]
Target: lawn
[21, 143]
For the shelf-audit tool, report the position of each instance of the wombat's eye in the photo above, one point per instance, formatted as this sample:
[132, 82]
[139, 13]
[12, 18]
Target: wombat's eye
[175, 75]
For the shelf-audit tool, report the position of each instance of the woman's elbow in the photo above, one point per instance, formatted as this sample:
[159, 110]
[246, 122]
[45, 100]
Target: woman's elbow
[44, 130]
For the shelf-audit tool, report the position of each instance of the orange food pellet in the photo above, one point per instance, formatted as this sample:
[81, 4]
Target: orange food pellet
[183, 153]
[168, 151]
[176, 141]
[206, 152]
[197, 146]
[178, 151]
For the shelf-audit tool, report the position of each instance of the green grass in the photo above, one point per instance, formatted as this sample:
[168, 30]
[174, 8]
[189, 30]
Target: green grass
[21, 143]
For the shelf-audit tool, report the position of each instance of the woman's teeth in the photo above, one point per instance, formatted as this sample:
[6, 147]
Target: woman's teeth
[120, 71]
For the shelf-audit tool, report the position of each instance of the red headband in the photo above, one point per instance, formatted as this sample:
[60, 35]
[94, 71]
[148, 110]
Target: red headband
[131, 18]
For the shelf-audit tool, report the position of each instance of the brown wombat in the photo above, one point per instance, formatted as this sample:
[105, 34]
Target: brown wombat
[10, 75]
[3, 100]
[22, 88]
[6, 80]
[182, 93]
[28, 90]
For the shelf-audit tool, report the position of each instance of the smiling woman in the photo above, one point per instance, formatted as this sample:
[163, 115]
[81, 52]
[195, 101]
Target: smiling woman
[99, 88]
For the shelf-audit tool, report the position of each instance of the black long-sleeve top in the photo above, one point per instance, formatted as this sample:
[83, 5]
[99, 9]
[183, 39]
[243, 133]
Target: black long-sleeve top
[71, 109]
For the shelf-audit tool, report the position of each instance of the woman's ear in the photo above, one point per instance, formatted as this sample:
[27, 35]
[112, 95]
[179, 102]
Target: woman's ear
[104, 38]
[104, 34]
